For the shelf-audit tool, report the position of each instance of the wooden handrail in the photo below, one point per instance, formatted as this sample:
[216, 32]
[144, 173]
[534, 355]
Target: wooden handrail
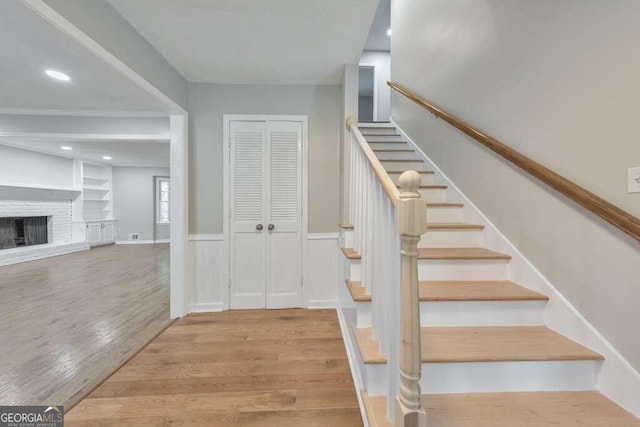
[619, 218]
[385, 180]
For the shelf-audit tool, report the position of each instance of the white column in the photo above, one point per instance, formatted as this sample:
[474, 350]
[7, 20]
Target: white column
[180, 286]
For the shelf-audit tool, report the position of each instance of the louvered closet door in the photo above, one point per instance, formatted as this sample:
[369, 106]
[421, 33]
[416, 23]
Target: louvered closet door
[248, 210]
[284, 210]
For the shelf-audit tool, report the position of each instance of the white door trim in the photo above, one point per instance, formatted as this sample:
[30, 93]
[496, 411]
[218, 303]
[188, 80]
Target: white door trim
[227, 118]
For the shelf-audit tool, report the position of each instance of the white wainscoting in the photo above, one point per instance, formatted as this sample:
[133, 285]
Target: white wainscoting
[209, 271]
[322, 272]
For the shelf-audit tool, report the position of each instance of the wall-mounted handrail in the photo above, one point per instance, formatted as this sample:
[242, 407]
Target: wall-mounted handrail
[385, 180]
[619, 218]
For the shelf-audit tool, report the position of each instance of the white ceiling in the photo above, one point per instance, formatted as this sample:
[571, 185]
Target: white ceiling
[254, 41]
[123, 153]
[29, 45]
[378, 38]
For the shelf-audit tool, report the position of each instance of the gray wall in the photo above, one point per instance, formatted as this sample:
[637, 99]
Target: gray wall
[207, 105]
[556, 81]
[31, 168]
[134, 202]
[365, 108]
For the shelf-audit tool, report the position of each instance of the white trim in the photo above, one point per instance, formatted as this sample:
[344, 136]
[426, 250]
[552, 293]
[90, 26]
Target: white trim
[205, 237]
[180, 285]
[374, 116]
[320, 304]
[141, 242]
[81, 113]
[618, 380]
[323, 236]
[85, 137]
[40, 187]
[353, 356]
[226, 119]
[206, 307]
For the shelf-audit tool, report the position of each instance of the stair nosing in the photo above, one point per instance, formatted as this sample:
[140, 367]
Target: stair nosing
[487, 255]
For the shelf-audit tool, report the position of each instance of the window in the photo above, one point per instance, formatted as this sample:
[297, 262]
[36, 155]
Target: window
[163, 190]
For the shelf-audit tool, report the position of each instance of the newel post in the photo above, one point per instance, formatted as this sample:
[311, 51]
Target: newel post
[411, 223]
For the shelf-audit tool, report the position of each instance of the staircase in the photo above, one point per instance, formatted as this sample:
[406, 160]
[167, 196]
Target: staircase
[486, 356]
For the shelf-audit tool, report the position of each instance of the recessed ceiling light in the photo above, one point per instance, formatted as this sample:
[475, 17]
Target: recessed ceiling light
[106, 157]
[58, 75]
[389, 32]
[66, 147]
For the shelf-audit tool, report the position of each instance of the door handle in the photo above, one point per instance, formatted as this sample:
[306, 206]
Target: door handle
[259, 227]
[271, 227]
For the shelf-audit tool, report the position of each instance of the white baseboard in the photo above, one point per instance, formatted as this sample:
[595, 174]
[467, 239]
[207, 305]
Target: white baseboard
[329, 303]
[352, 357]
[617, 379]
[205, 237]
[141, 242]
[207, 307]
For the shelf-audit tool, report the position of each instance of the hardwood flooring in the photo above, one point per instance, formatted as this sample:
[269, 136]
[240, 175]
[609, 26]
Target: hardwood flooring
[67, 322]
[246, 367]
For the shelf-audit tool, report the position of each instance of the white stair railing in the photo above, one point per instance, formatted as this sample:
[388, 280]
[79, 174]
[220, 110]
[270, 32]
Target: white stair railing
[387, 227]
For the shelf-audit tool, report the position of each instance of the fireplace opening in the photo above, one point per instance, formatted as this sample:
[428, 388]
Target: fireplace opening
[23, 231]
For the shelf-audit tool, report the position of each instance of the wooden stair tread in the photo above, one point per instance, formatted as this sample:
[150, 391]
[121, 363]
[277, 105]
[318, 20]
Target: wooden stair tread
[460, 291]
[346, 226]
[453, 226]
[557, 408]
[460, 253]
[350, 253]
[402, 160]
[445, 254]
[485, 344]
[386, 141]
[357, 291]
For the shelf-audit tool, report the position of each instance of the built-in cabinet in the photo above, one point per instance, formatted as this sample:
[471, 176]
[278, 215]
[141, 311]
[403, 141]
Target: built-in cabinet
[101, 232]
[96, 191]
[95, 205]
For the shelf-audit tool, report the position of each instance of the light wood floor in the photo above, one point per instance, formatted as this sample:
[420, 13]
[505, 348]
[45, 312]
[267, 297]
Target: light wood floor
[249, 367]
[67, 322]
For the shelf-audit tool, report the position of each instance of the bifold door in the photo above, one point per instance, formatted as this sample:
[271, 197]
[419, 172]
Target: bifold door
[266, 214]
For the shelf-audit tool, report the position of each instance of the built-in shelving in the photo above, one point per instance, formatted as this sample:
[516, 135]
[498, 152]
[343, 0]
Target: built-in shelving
[96, 185]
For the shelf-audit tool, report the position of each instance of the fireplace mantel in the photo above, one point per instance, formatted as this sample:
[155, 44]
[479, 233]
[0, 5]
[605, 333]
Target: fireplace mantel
[13, 185]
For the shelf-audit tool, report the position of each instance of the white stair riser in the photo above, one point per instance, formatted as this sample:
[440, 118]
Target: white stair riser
[494, 377]
[385, 145]
[404, 166]
[486, 377]
[445, 214]
[384, 138]
[469, 313]
[348, 239]
[434, 195]
[379, 131]
[392, 155]
[427, 178]
[463, 269]
[355, 270]
[451, 238]
[482, 313]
